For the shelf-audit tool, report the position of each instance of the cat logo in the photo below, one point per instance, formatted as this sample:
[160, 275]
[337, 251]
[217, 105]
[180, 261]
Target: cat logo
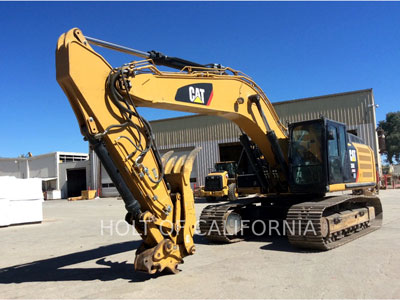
[353, 156]
[198, 93]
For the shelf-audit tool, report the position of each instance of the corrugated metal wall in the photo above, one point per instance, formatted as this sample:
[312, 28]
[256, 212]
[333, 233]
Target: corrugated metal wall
[356, 109]
[206, 132]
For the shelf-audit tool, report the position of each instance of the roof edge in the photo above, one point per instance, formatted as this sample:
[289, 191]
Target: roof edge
[324, 96]
[44, 155]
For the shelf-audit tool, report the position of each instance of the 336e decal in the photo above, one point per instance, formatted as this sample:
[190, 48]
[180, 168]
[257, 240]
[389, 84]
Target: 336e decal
[198, 93]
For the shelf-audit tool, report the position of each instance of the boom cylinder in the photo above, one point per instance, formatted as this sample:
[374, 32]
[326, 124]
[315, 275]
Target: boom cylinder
[116, 47]
[131, 204]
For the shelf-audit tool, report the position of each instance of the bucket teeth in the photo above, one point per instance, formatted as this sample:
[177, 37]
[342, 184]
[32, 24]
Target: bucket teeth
[182, 165]
[166, 156]
[179, 164]
[170, 164]
[187, 167]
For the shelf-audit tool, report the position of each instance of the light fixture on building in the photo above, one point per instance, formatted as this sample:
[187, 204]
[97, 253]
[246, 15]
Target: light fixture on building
[373, 105]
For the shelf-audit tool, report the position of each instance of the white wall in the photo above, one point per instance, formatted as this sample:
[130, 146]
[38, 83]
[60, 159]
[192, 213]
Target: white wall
[43, 166]
[13, 167]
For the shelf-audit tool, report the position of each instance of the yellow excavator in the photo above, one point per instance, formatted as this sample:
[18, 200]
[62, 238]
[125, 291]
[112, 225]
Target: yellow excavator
[296, 166]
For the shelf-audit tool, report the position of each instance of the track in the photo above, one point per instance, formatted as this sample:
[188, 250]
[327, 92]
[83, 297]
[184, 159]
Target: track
[213, 223]
[314, 212]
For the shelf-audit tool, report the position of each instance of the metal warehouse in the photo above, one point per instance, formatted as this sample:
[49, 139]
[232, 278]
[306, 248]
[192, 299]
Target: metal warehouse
[66, 174]
[219, 138]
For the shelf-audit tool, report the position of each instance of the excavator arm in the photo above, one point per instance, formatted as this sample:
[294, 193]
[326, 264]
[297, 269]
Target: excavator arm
[156, 190]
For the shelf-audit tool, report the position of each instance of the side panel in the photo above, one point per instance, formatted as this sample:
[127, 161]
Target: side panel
[366, 164]
[353, 162]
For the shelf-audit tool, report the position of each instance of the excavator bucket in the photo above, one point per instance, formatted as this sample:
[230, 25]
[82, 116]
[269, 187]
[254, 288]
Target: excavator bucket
[177, 172]
[181, 167]
[168, 254]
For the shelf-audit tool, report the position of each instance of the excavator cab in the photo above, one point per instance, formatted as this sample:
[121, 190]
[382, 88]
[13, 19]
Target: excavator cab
[318, 156]
[306, 167]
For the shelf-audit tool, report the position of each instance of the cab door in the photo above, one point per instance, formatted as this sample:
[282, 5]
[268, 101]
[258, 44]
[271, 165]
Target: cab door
[338, 156]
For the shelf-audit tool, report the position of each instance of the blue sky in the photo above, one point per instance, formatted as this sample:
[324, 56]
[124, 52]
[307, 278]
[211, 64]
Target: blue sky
[291, 49]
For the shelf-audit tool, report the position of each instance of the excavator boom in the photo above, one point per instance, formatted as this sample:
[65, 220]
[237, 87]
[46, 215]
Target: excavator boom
[156, 190]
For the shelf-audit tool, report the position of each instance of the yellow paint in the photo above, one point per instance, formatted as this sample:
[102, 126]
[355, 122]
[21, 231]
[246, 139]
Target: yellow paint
[337, 187]
[366, 163]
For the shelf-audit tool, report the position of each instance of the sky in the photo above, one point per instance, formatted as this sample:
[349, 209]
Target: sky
[291, 49]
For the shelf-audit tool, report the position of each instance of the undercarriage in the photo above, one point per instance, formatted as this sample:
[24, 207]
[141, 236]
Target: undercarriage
[320, 224]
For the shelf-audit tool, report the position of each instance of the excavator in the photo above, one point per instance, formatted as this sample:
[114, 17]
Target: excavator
[297, 167]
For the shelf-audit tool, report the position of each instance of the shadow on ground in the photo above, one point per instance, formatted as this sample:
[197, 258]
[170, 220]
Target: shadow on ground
[56, 269]
[200, 239]
[272, 243]
[278, 243]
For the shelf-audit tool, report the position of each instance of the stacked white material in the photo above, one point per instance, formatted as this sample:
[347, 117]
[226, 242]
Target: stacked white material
[53, 195]
[20, 200]
[4, 206]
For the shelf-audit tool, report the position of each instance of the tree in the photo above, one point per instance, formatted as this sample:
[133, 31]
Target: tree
[391, 126]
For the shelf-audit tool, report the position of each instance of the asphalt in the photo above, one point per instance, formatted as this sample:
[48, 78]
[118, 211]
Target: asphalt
[83, 249]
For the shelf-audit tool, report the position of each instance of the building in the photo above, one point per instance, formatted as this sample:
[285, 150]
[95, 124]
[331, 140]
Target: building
[64, 174]
[69, 173]
[219, 141]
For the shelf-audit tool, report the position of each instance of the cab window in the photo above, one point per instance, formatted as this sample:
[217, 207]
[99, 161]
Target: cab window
[306, 154]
